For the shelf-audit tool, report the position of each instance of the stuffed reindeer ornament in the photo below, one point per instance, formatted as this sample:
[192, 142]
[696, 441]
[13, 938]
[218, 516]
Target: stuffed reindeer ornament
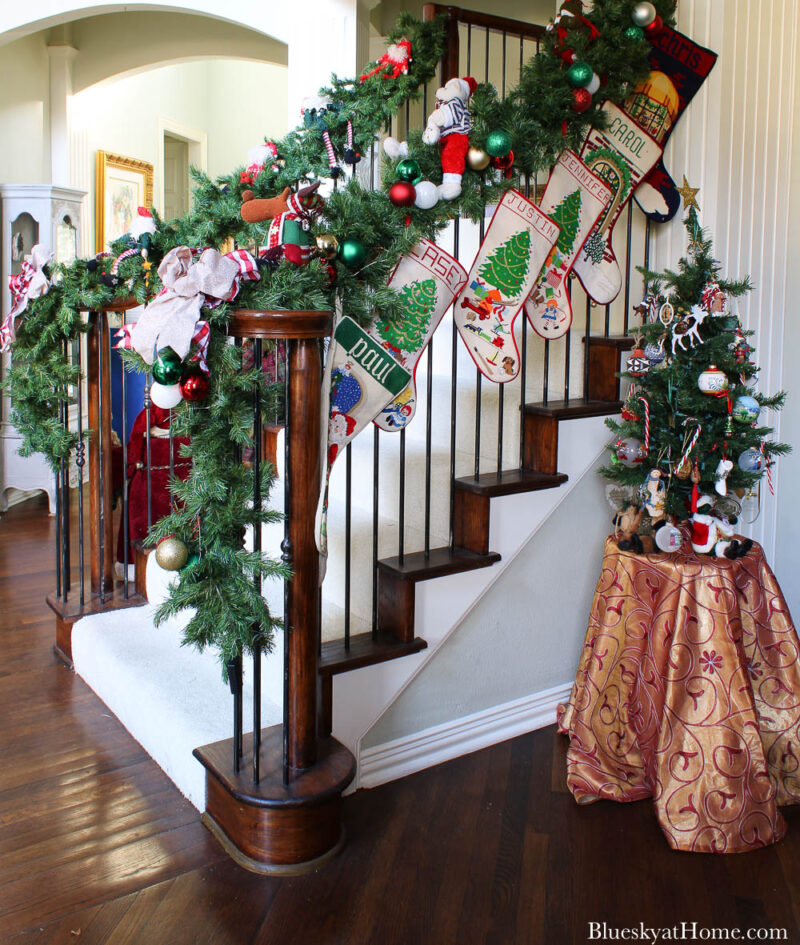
[449, 125]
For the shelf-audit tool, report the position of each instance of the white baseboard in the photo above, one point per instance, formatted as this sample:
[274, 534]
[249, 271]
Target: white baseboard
[432, 746]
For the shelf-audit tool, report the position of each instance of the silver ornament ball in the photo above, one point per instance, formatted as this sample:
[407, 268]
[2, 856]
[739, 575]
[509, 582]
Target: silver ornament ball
[643, 14]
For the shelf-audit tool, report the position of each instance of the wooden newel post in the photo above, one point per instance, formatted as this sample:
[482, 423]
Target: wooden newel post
[303, 428]
[289, 820]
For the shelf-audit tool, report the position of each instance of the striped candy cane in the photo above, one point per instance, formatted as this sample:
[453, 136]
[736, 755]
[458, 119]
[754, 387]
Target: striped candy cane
[692, 443]
[767, 466]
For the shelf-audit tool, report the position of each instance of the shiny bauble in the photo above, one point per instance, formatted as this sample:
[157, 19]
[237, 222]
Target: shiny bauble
[635, 33]
[751, 460]
[165, 396]
[172, 554]
[643, 14]
[427, 195]
[498, 143]
[327, 245]
[713, 382]
[195, 385]
[581, 100]
[504, 163]
[638, 364]
[654, 354]
[167, 367]
[352, 253]
[477, 159]
[579, 75]
[409, 170]
[668, 538]
[402, 194]
[594, 85]
[746, 409]
[630, 451]
[654, 28]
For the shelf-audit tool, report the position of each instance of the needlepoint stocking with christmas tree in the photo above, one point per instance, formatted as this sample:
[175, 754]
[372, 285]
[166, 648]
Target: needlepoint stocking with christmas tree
[574, 198]
[508, 263]
[428, 280]
[680, 67]
[620, 154]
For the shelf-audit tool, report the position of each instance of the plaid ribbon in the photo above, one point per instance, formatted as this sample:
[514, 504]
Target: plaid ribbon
[248, 272]
[29, 283]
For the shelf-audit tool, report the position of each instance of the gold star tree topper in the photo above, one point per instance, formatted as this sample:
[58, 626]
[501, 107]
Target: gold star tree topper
[689, 195]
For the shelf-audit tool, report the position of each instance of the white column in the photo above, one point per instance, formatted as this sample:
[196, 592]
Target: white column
[322, 41]
[61, 59]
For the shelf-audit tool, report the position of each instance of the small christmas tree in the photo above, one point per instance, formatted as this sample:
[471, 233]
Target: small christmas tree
[673, 435]
[408, 333]
[567, 216]
[507, 267]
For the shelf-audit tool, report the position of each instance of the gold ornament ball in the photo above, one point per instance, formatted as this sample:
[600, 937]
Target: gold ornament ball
[172, 554]
[477, 159]
[328, 245]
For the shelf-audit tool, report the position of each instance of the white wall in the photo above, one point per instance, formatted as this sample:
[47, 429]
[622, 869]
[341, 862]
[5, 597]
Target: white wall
[24, 113]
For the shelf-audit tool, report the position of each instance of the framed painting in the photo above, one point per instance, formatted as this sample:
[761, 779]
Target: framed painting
[122, 185]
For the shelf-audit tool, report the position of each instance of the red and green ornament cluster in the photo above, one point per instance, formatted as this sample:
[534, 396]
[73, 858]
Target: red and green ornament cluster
[175, 380]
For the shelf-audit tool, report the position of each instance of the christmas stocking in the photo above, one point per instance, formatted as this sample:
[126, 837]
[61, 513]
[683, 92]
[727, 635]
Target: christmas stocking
[428, 280]
[574, 198]
[621, 155]
[679, 67]
[505, 270]
[362, 379]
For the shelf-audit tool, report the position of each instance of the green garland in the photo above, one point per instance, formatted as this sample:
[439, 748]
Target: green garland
[228, 611]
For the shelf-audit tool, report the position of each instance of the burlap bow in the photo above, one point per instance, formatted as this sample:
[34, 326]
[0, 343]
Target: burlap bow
[30, 283]
[171, 319]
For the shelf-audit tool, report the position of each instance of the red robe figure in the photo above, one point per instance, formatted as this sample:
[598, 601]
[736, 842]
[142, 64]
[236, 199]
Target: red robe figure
[136, 475]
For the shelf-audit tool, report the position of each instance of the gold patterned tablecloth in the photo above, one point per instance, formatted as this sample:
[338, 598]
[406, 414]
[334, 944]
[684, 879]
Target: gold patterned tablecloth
[688, 690]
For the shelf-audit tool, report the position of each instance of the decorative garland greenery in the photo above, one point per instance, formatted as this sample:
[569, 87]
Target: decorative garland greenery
[213, 511]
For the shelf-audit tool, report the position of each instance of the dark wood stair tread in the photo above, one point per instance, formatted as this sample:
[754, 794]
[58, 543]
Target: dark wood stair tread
[364, 651]
[510, 482]
[439, 563]
[622, 342]
[574, 409]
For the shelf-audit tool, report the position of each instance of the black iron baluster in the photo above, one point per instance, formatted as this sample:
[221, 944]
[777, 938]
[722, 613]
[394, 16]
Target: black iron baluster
[401, 500]
[80, 462]
[286, 557]
[376, 457]
[348, 471]
[567, 348]
[234, 668]
[503, 57]
[453, 395]
[147, 402]
[586, 343]
[647, 244]
[607, 325]
[257, 363]
[124, 512]
[171, 460]
[628, 261]
[428, 443]
[478, 375]
[101, 384]
[523, 368]
[57, 478]
[64, 471]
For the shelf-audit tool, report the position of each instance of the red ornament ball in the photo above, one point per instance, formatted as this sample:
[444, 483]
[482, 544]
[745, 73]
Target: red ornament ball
[581, 100]
[402, 194]
[195, 386]
[654, 28]
[505, 163]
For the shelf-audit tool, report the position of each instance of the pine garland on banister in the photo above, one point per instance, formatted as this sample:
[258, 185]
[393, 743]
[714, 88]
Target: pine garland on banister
[541, 117]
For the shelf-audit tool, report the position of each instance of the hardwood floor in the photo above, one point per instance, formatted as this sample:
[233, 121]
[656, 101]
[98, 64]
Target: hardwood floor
[97, 846]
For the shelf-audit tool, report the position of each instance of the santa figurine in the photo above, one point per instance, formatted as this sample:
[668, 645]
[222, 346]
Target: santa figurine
[450, 124]
[143, 226]
[712, 534]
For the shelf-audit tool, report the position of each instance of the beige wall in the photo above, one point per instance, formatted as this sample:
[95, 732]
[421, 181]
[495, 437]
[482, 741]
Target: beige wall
[24, 114]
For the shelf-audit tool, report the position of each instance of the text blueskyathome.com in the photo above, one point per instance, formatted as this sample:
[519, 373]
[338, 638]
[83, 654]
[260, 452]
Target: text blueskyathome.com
[601, 932]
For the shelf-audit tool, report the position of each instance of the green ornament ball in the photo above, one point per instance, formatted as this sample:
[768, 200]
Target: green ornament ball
[579, 75]
[409, 170]
[498, 143]
[352, 253]
[167, 367]
[635, 33]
